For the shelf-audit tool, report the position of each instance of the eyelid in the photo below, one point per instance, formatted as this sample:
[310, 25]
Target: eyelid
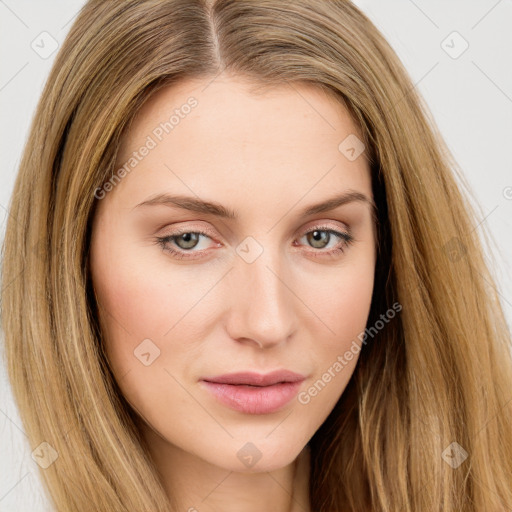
[324, 225]
[194, 229]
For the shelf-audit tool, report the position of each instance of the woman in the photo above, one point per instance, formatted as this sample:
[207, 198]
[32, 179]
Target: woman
[251, 279]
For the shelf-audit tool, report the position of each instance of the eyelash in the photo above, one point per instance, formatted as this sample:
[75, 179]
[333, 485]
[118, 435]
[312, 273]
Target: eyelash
[346, 237]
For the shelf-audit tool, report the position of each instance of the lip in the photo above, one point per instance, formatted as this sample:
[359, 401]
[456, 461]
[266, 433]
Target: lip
[255, 393]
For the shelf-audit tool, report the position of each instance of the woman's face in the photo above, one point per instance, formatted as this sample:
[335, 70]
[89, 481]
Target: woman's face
[267, 271]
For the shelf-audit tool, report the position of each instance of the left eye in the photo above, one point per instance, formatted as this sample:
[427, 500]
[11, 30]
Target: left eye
[320, 238]
[187, 240]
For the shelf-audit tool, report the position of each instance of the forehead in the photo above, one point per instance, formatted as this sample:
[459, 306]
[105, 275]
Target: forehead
[234, 107]
[226, 136]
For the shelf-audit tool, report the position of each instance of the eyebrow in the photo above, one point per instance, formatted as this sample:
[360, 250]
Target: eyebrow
[195, 204]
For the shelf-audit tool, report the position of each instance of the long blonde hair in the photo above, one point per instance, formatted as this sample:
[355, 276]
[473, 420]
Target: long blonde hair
[439, 373]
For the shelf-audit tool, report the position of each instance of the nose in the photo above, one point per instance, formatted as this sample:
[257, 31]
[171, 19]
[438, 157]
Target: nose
[261, 301]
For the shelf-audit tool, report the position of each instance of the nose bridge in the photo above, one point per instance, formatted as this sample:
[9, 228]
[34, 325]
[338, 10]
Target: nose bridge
[262, 304]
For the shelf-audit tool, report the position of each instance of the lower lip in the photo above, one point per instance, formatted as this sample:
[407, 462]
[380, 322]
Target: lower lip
[253, 399]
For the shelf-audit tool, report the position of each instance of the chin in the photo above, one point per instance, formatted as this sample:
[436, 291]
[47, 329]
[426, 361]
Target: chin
[256, 456]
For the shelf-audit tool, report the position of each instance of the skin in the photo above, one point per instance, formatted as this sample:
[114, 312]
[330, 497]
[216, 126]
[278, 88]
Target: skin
[266, 156]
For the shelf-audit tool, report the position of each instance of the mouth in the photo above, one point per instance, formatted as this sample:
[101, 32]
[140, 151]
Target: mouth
[253, 393]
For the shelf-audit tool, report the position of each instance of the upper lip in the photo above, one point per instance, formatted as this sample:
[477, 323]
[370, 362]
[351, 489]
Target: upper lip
[256, 379]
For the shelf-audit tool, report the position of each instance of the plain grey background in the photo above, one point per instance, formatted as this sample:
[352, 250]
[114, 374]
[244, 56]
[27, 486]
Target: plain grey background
[459, 55]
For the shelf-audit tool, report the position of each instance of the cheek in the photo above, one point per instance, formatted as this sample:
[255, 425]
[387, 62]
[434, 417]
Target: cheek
[341, 301]
[153, 320]
[138, 304]
[341, 307]
[148, 325]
